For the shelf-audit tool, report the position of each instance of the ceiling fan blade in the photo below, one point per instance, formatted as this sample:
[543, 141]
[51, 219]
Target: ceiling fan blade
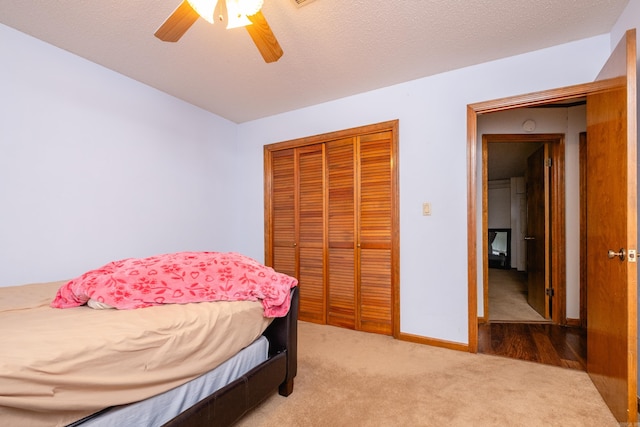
[177, 23]
[264, 38]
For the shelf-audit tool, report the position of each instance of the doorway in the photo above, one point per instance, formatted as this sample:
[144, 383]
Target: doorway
[534, 215]
[611, 221]
[524, 192]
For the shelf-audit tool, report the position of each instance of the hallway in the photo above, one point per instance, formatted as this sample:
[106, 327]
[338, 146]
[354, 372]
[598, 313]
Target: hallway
[508, 297]
[536, 342]
[517, 331]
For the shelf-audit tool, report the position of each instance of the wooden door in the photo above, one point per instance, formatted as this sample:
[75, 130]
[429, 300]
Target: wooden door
[374, 247]
[536, 238]
[283, 212]
[310, 232]
[612, 225]
[297, 203]
[331, 220]
[342, 223]
[360, 218]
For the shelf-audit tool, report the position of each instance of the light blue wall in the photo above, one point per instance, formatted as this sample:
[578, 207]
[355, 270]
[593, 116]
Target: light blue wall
[95, 167]
[433, 167]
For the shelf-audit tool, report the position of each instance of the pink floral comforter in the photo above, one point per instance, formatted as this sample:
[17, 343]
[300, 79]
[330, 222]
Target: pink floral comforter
[181, 277]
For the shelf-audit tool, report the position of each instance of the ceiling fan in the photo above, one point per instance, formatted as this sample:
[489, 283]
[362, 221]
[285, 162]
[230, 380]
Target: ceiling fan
[237, 13]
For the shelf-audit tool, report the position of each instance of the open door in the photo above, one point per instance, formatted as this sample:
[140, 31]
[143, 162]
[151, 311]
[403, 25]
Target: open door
[537, 235]
[611, 222]
[611, 233]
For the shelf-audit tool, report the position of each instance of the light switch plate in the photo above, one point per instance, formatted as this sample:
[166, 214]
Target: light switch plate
[426, 209]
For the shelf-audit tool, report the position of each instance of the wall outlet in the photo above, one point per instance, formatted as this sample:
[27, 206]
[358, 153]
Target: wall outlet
[426, 209]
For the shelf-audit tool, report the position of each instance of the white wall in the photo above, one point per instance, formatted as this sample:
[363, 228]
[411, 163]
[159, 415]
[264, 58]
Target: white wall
[95, 167]
[499, 204]
[432, 113]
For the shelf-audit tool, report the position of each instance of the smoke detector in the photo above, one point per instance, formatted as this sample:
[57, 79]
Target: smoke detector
[301, 3]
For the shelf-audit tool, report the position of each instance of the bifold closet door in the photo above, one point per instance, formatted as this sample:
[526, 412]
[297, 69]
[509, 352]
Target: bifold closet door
[297, 180]
[341, 280]
[283, 212]
[331, 221]
[311, 237]
[374, 244]
[360, 209]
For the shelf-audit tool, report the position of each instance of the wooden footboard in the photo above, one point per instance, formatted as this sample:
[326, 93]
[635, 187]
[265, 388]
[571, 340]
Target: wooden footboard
[227, 405]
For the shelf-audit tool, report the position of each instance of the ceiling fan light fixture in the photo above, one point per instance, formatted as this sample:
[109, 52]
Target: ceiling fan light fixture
[235, 15]
[204, 8]
[188, 12]
[236, 11]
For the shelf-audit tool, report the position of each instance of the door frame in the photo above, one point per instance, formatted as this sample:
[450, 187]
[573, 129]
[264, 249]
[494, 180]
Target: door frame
[556, 257]
[474, 222]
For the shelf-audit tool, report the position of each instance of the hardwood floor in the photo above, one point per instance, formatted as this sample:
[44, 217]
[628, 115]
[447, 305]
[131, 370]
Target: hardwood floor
[536, 342]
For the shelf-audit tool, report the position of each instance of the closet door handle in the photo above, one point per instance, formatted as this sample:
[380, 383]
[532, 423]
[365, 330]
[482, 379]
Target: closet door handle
[529, 238]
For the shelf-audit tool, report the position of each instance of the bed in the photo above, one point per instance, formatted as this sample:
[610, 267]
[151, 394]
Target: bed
[202, 363]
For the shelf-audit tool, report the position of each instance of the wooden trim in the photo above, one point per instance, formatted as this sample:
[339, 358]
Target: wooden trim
[574, 323]
[356, 226]
[268, 197]
[485, 226]
[472, 249]
[582, 154]
[395, 223]
[503, 104]
[545, 97]
[391, 125]
[547, 234]
[632, 217]
[558, 230]
[325, 232]
[433, 342]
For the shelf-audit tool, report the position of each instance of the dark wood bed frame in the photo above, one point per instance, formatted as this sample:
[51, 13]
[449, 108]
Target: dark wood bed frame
[227, 405]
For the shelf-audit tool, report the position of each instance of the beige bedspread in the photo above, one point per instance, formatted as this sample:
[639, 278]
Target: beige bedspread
[58, 365]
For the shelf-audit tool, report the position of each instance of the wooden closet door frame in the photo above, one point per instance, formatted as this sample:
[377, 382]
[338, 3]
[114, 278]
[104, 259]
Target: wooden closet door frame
[393, 126]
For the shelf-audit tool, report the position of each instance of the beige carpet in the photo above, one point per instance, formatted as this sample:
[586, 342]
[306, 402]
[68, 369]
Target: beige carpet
[349, 378]
[508, 297]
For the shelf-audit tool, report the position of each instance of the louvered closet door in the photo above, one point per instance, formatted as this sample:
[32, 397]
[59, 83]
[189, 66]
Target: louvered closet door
[341, 287]
[331, 221]
[375, 233]
[311, 236]
[283, 212]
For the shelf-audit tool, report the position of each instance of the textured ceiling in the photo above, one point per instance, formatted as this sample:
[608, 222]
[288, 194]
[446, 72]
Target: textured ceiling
[332, 48]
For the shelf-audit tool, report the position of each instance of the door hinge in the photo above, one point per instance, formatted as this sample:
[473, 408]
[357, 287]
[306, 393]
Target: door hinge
[548, 162]
[550, 292]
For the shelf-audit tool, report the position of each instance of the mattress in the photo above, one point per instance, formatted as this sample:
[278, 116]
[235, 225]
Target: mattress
[59, 365]
[157, 410]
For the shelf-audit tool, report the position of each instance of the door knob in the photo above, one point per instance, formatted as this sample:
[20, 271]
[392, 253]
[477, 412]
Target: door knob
[529, 238]
[621, 254]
